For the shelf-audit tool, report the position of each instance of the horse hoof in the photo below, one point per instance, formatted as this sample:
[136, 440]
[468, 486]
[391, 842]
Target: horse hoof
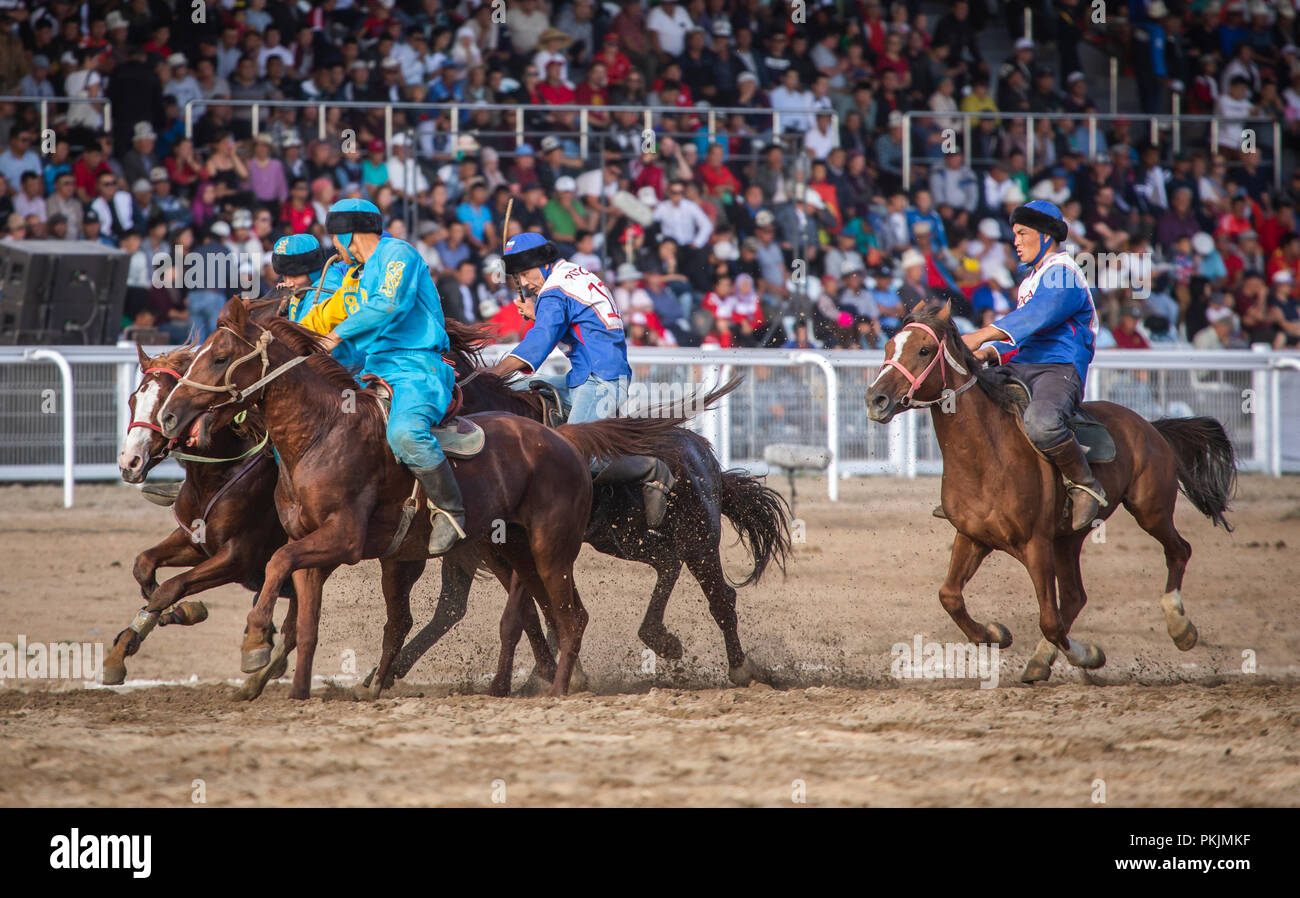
[250, 690]
[748, 672]
[535, 685]
[186, 614]
[253, 660]
[499, 690]
[1000, 635]
[665, 645]
[278, 668]
[1186, 641]
[114, 676]
[364, 692]
[1094, 658]
[578, 679]
[1036, 672]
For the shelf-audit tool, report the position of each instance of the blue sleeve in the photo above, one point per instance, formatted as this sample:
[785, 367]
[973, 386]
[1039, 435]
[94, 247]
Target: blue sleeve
[552, 320]
[391, 287]
[1049, 308]
[1158, 52]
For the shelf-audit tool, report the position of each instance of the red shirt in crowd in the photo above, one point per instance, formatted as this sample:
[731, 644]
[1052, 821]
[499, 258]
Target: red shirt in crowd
[297, 220]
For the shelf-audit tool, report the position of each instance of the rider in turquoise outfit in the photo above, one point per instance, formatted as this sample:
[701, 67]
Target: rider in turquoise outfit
[399, 332]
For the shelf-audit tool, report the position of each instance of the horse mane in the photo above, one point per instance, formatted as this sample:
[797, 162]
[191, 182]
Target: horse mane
[303, 341]
[990, 380]
[467, 343]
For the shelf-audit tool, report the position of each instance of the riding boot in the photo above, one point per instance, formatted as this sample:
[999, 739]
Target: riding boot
[1086, 494]
[938, 512]
[654, 476]
[446, 508]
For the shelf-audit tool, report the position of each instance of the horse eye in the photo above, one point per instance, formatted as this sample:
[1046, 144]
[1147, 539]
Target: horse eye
[925, 350]
[221, 360]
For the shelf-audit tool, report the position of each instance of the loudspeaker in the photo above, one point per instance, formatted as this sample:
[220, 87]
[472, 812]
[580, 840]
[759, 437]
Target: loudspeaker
[61, 292]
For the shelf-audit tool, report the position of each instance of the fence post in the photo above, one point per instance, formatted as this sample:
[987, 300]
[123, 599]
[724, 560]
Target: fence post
[255, 117]
[832, 419]
[1114, 85]
[1277, 156]
[320, 124]
[108, 118]
[907, 150]
[1176, 102]
[69, 417]
[583, 123]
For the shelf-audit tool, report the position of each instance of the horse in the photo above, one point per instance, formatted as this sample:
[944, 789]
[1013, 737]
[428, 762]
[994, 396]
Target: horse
[691, 533]
[341, 493]
[999, 493]
[223, 533]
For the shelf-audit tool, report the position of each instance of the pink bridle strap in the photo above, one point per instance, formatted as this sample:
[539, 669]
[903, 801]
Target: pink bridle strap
[916, 380]
[149, 425]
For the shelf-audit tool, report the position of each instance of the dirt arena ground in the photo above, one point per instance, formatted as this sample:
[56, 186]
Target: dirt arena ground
[1157, 726]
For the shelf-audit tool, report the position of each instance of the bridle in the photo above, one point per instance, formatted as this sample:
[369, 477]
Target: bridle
[264, 339]
[170, 450]
[939, 359]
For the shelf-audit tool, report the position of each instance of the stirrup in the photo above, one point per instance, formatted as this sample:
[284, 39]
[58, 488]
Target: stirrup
[1098, 494]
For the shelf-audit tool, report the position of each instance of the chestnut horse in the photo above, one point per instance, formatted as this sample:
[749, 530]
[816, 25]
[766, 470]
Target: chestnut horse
[1001, 494]
[691, 533]
[341, 494]
[224, 532]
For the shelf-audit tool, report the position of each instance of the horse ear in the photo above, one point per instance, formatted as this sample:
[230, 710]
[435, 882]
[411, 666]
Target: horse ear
[140, 354]
[236, 313]
[945, 313]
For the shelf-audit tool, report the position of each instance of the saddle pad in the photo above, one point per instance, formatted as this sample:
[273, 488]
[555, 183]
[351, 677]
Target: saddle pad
[462, 438]
[1098, 445]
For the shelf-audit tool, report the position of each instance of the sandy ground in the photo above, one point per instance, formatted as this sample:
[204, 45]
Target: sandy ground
[1157, 726]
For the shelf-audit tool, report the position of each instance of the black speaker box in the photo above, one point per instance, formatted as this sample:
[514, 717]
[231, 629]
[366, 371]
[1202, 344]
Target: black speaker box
[61, 292]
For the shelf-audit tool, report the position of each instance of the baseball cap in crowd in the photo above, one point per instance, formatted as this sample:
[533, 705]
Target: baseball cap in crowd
[425, 228]
[627, 272]
[852, 266]
[1075, 76]
[746, 76]
[1282, 276]
[895, 119]
[814, 199]
[565, 185]
[1215, 314]
[550, 143]
[265, 138]
[141, 185]
[242, 218]
[990, 229]
[176, 60]
[40, 61]
[722, 28]
[399, 140]
[726, 251]
[376, 146]
[115, 20]
[291, 139]
[144, 131]
[1014, 195]
[648, 196]
[911, 258]
[220, 229]
[524, 149]
[1025, 43]
[764, 219]
[158, 173]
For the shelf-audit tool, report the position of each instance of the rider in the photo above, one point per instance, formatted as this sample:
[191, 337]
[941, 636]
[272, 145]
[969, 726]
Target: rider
[399, 332]
[574, 309]
[1052, 335]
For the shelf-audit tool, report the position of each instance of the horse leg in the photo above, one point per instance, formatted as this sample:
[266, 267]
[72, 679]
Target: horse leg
[1039, 558]
[1069, 586]
[221, 568]
[338, 542]
[967, 556]
[653, 632]
[512, 625]
[275, 668]
[706, 567]
[570, 621]
[452, 602]
[307, 585]
[1159, 522]
[398, 578]
[177, 550]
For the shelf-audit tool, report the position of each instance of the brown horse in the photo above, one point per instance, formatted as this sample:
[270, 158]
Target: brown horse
[224, 534]
[341, 493]
[691, 533]
[1001, 494]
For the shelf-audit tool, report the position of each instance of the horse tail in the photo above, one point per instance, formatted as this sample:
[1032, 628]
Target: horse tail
[611, 437]
[1205, 462]
[761, 517]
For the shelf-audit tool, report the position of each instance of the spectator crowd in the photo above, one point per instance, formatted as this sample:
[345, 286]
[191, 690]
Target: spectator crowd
[767, 207]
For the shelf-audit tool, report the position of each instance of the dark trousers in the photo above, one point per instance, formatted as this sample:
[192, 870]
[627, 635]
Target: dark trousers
[1054, 394]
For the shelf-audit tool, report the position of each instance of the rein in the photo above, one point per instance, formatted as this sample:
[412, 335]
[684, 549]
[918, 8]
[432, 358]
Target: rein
[258, 351]
[939, 359]
[185, 456]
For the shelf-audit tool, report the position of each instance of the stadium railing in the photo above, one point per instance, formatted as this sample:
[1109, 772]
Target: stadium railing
[803, 397]
[44, 104]
[1176, 122]
[709, 115]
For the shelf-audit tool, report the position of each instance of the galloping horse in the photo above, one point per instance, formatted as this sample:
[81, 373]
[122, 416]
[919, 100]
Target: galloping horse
[691, 533]
[341, 494]
[1001, 494]
[224, 532]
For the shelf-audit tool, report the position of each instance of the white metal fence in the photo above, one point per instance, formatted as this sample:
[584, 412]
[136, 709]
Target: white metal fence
[51, 431]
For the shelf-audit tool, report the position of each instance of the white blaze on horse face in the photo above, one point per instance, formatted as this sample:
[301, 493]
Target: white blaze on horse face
[900, 340]
[137, 438]
[202, 352]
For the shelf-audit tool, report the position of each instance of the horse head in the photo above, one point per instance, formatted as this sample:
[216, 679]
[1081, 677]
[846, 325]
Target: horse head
[917, 359]
[145, 446]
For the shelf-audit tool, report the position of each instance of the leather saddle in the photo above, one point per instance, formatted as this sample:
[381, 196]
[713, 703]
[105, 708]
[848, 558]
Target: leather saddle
[459, 437]
[1098, 445]
[554, 412]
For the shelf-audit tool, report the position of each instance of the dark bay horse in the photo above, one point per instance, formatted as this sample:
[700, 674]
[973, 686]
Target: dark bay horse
[226, 529]
[341, 493]
[691, 533]
[999, 493]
